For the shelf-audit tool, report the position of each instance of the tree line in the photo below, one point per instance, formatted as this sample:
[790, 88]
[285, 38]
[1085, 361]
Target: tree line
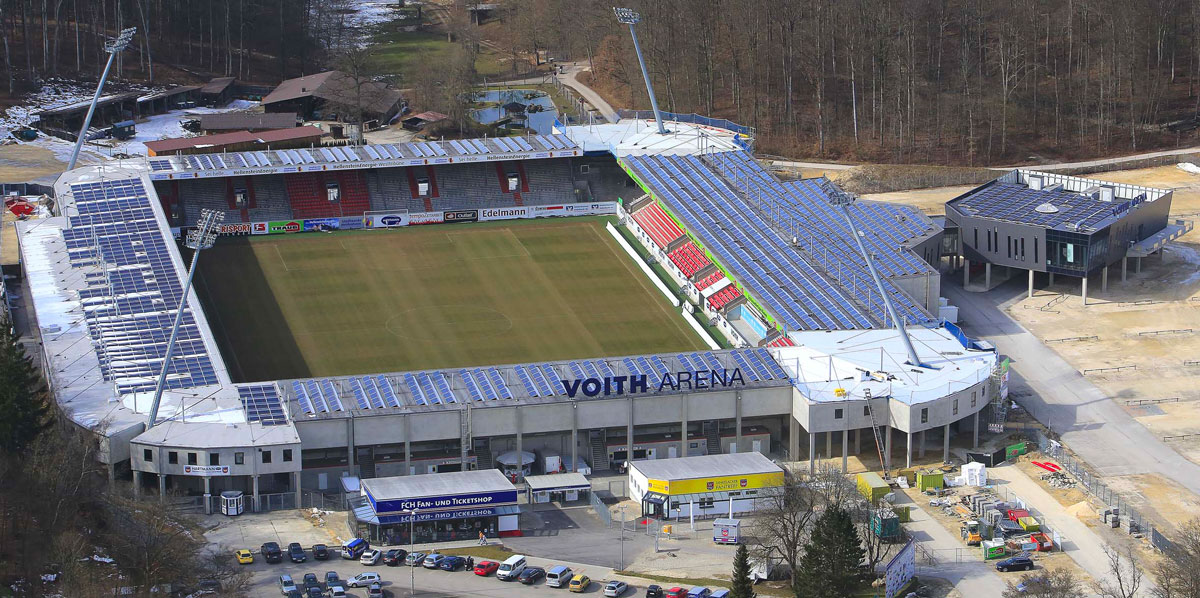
[951, 81]
[258, 40]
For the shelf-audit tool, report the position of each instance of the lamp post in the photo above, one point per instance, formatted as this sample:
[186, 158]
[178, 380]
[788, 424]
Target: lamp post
[202, 237]
[630, 17]
[113, 47]
[412, 576]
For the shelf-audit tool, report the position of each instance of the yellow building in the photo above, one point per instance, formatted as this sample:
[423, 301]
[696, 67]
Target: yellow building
[710, 485]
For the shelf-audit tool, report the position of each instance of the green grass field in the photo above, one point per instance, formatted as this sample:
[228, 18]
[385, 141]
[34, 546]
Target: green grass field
[431, 297]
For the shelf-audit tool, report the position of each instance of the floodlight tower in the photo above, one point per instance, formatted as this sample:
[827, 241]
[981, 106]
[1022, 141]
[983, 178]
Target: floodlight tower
[202, 237]
[113, 47]
[630, 17]
[841, 199]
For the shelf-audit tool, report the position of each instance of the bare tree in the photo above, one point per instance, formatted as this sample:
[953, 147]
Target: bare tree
[1177, 574]
[1125, 575]
[1055, 583]
[783, 520]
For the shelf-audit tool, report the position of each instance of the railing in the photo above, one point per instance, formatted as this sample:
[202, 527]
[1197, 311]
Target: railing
[695, 119]
[601, 509]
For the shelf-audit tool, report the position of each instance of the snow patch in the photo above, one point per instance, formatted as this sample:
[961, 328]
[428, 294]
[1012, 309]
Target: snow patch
[1188, 167]
[102, 559]
[1189, 255]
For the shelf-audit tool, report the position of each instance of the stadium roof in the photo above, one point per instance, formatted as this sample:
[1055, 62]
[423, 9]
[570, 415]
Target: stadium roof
[437, 484]
[223, 139]
[247, 120]
[706, 466]
[1053, 201]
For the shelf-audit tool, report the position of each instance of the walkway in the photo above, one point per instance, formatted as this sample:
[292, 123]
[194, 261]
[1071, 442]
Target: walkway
[1090, 423]
[567, 77]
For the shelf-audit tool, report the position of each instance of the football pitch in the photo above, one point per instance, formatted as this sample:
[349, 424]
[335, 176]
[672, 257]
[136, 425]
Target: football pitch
[442, 296]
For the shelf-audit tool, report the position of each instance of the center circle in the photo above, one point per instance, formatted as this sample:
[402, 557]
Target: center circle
[448, 323]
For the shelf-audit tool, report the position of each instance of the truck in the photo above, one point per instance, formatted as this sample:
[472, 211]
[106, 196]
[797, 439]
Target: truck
[727, 531]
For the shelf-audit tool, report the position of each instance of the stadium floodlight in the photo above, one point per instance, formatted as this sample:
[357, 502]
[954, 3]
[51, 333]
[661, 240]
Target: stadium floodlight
[113, 47]
[630, 17]
[201, 237]
[844, 200]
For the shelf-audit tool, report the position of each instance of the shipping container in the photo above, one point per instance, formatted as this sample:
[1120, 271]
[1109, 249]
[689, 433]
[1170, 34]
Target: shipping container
[872, 487]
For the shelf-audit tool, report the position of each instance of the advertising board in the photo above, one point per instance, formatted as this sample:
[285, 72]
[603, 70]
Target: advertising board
[285, 226]
[322, 224]
[449, 501]
[385, 220]
[900, 570]
[205, 470]
[425, 218]
[718, 484]
[460, 215]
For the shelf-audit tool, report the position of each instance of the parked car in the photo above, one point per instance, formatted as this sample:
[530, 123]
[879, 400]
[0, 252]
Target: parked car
[615, 588]
[654, 591]
[452, 563]
[531, 575]
[370, 557]
[414, 559]
[331, 577]
[320, 552]
[244, 557]
[375, 590]
[559, 576]
[363, 580]
[293, 594]
[486, 568]
[296, 553]
[286, 584]
[1030, 582]
[313, 592]
[676, 592]
[433, 560]
[579, 583]
[394, 557]
[336, 589]
[1021, 562]
[271, 552]
[310, 581]
[699, 592]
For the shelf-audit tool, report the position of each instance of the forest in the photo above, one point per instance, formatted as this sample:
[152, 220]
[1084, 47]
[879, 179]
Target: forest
[964, 82]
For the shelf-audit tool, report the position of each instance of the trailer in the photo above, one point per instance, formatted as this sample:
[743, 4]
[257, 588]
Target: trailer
[727, 531]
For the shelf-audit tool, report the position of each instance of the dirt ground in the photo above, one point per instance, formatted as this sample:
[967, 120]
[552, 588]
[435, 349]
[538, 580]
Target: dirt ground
[22, 162]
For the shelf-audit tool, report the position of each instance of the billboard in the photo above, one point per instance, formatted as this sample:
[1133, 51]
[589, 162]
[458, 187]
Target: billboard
[460, 216]
[425, 218]
[448, 501]
[900, 570]
[752, 481]
[322, 224]
[285, 226]
[205, 470]
[385, 220]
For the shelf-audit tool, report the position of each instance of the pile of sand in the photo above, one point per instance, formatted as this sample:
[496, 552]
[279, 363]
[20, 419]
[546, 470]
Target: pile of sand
[1082, 510]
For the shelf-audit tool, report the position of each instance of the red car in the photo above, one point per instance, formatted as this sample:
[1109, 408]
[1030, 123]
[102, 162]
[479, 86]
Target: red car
[677, 593]
[486, 568]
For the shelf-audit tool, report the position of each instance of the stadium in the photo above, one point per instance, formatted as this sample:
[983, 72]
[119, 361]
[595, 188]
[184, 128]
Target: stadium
[605, 293]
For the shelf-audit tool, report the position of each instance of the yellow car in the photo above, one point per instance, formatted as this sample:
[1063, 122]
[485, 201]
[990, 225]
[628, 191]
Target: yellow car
[579, 583]
[244, 557]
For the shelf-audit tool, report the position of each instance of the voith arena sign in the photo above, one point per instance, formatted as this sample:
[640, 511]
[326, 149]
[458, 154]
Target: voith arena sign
[641, 383]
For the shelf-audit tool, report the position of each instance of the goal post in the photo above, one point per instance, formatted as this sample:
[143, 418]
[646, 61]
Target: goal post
[385, 218]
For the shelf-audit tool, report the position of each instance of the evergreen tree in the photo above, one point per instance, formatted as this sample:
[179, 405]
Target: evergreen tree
[742, 587]
[22, 399]
[829, 568]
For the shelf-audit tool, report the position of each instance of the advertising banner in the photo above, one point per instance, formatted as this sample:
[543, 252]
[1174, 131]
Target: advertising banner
[505, 213]
[236, 228]
[258, 228]
[440, 515]
[322, 224]
[425, 218]
[390, 220]
[900, 570]
[720, 484]
[460, 216]
[205, 470]
[284, 226]
[451, 501]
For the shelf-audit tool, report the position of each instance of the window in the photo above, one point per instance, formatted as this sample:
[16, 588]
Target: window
[925, 416]
[584, 169]
[837, 414]
[976, 237]
[955, 406]
[287, 455]
[972, 398]
[173, 458]
[1009, 245]
[1035, 251]
[239, 197]
[214, 458]
[266, 456]
[239, 458]
[1022, 249]
[148, 455]
[191, 458]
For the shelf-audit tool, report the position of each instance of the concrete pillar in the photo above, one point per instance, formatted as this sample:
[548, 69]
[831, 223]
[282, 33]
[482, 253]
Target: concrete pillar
[858, 441]
[351, 451]
[683, 416]
[921, 446]
[987, 275]
[908, 451]
[966, 272]
[1124, 267]
[162, 488]
[254, 485]
[296, 486]
[1137, 266]
[975, 434]
[845, 451]
[1051, 279]
[137, 482]
[812, 452]
[112, 473]
[793, 438]
[946, 444]
[574, 437]
[887, 447]
[1104, 280]
[1085, 289]
[629, 434]
[207, 495]
[1031, 284]
[408, 446]
[829, 445]
[520, 441]
[737, 420]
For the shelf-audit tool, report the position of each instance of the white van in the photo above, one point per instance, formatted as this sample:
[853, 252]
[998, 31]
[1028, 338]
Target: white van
[511, 567]
[558, 576]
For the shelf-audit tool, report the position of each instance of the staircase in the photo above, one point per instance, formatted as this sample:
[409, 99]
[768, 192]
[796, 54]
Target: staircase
[464, 438]
[366, 464]
[713, 437]
[878, 437]
[599, 453]
[999, 403]
[483, 454]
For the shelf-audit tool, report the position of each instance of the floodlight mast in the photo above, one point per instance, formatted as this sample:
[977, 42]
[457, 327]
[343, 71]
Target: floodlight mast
[113, 47]
[630, 17]
[842, 199]
[202, 237]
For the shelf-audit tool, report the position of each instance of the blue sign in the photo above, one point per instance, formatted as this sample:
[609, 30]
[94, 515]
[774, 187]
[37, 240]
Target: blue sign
[453, 501]
[322, 224]
[440, 515]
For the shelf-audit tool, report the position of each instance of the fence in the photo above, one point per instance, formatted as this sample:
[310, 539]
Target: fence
[747, 133]
[600, 508]
[310, 499]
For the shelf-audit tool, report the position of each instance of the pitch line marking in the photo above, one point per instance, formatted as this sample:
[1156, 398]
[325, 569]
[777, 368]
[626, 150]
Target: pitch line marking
[281, 260]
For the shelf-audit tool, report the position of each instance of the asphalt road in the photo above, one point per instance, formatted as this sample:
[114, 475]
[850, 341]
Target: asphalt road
[1089, 422]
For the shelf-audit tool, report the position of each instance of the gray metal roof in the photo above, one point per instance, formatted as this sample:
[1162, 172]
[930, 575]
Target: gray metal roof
[558, 481]
[707, 466]
[437, 484]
